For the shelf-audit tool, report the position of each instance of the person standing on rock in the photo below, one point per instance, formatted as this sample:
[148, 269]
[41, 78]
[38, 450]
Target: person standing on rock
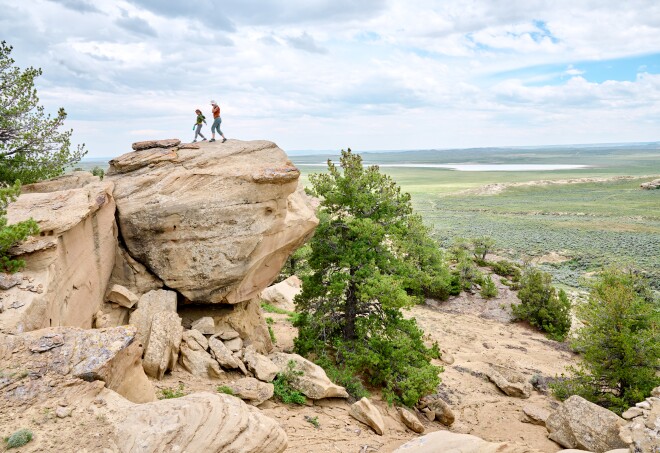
[216, 122]
[198, 125]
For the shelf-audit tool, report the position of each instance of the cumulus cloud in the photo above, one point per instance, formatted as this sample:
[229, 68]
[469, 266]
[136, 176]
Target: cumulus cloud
[135, 24]
[82, 6]
[305, 42]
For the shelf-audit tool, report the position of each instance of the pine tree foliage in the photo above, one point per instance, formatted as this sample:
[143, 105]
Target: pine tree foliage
[32, 147]
[620, 343]
[370, 257]
[10, 235]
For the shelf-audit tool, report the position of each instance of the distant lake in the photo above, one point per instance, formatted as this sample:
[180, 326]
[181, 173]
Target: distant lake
[478, 167]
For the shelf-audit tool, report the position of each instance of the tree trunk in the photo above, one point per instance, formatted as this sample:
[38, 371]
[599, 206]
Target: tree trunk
[350, 311]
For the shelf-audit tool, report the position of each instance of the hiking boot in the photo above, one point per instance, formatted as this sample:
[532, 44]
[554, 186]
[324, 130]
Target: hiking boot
[203, 139]
[212, 140]
[224, 140]
[194, 141]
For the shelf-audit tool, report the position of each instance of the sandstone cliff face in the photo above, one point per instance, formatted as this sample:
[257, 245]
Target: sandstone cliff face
[215, 223]
[69, 264]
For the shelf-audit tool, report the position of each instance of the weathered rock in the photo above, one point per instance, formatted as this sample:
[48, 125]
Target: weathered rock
[198, 362]
[313, 383]
[410, 420]
[259, 365]
[227, 333]
[63, 412]
[364, 411]
[282, 294]
[156, 301]
[577, 423]
[510, 382]
[200, 422]
[535, 415]
[111, 315]
[8, 281]
[205, 325]
[234, 345]
[632, 413]
[196, 341]
[121, 296]
[132, 275]
[162, 349]
[252, 390]
[223, 355]
[166, 143]
[643, 431]
[448, 442]
[216, 224]
[68, 265]
[443, 412]
[108, 355]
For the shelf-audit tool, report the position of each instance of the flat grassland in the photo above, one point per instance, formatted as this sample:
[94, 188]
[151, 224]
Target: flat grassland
[602, 219]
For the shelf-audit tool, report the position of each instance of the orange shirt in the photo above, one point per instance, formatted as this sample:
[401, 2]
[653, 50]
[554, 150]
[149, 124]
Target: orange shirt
[216, 111]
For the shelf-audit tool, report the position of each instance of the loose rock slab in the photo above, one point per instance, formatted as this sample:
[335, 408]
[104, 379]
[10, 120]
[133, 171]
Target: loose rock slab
[260, 365]
[252, 390]
[162, 349]
[364, 411]
[510, 382]
[121, 296]
[153, 302]
[410, 420]
[448, 442]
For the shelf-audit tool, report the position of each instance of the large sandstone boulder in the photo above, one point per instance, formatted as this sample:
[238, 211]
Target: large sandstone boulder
[200, 422]
[313, 382]
[282, 294]
[577, 423]
[161, 351]
[109, 355]
[366, 412]
[448, 442]
[215, 223]
[68, 265]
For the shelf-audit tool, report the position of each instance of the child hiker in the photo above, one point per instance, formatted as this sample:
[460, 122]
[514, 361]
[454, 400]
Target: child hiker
[198, 125]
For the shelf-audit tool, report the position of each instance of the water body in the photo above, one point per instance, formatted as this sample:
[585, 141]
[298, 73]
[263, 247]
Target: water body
[478, 167]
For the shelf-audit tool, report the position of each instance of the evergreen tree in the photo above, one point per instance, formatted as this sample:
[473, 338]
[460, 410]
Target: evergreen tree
[370, 257]
[31, 146]
[620, 342]
[12, 234]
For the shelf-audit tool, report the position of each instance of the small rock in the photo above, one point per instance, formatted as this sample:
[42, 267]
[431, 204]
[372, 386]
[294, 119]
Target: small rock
[121, 295]
[227, 333]
[260, 365]
[365, 412]
[410, 420]
[656, 392]
[429, 414]
[535, 415]
[205, 325]
[443, 412]
[643, 405]
[195, 340]
[313, 382]
[447, 358]
[167, 143]
[632, 413]
[8, 281]
[62, 412]
[252, 390]
[223, 355]
[510, 382]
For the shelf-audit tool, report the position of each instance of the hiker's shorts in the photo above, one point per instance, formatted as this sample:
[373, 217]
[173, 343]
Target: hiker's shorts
[215, 127]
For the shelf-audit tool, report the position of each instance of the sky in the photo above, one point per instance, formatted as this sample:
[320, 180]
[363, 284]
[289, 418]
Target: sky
[332, 74]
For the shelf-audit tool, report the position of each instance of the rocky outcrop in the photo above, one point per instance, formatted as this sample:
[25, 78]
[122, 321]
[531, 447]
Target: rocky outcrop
[282, 294]
[194, 358]
[68, 265]
[200, 422]
[448, 442]
[364, 411]
[642, 432]
[222, 354]
[108, 355]
[577, 423]
[510, 382]
[216, 223]
[132, 275]
[651, 185]
[313, 382]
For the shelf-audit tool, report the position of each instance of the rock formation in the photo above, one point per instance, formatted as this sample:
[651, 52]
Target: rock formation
[366, 412]
[215, 224]
[313, 382]
[68, 265]
[448, 442]
[282, 294]
[642, 432]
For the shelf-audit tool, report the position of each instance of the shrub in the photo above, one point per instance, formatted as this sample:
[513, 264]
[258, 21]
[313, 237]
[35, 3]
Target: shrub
[10, 235]
[467, 272]
[19, 438]
[224, 389]
[488, 288]
[481, 246]
[169, 393]
[343, 376]
[269, 308]
[542, 305]
[98, 171]
[505, 268]
[283, 389]
[620, 343]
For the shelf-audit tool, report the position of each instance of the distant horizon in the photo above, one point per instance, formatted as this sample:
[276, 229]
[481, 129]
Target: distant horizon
[313, 152]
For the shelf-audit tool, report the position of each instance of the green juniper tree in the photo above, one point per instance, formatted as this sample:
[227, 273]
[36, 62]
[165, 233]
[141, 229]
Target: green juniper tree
[11, 235]
[31, 145]
[370, 257]
[620, 343]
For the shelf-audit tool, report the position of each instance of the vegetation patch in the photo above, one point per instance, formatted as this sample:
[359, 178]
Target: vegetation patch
[224, 389]
[169, 393]
[19, 438]
[283, 388]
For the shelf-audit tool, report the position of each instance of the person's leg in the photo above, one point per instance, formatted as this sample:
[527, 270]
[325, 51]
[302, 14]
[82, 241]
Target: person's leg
[214, 127]
[197, 131]
[224, 139]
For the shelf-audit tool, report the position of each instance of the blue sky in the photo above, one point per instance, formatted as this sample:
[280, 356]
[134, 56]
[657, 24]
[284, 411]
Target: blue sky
[331, 74]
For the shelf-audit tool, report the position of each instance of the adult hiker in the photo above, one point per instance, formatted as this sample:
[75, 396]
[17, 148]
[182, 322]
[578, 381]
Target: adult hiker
[198, 125]
[216, 122]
